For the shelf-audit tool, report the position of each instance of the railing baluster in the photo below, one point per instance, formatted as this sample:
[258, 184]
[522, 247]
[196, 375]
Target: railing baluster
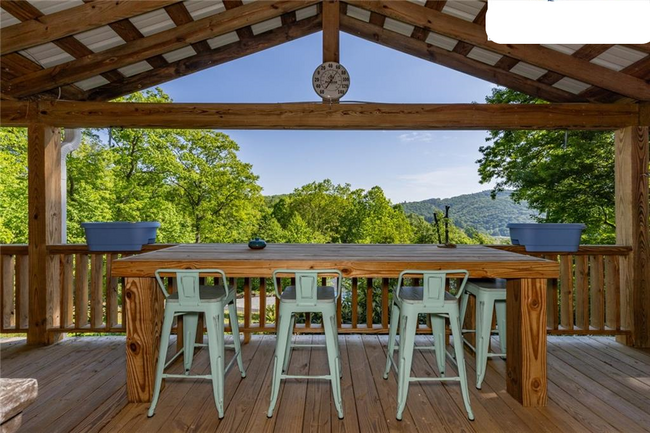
[597, 282]
[81, 291]
[262, 321]
[384, 303]
[67, 305]
[355, 302]
[111, 293]
[612, 292]
[247, 309]
[96, 286]
[22, 292]
[582, 292]
[7, 291]
[369, 309]
[566, 285]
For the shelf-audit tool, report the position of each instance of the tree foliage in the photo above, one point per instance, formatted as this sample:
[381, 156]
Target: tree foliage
[567, 177]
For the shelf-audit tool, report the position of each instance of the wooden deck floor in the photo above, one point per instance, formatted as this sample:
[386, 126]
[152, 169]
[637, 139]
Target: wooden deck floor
[595, 384]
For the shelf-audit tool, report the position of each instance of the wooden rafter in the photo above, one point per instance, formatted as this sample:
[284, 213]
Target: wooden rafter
[244, 32]
[24, 10]
[48, 28]
[454, 61]
[536, 55]
[201, 61]
[75, 114]
[180, 15]
[153, 45]
[640, 69]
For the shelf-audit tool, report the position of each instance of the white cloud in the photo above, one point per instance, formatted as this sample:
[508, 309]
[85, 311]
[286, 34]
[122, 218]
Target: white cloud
[416, 136]
[440, 183]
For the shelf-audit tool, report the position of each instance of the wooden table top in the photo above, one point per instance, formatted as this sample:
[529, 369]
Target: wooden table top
[354, 260]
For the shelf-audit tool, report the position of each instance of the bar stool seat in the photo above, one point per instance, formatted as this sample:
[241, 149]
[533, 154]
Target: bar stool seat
[416, 294]
[206, 294]
[306, 296]
[323, 294]
[490, 297]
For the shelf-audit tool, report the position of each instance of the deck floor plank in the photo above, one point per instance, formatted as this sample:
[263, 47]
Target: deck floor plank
[595, 385]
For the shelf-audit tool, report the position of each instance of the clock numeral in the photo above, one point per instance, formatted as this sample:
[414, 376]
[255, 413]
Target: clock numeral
[322, 92]
[317, 79]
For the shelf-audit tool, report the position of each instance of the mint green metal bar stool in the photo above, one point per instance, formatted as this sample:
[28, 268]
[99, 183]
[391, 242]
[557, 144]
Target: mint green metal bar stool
[490, 296]
[431, 298]
[306, 296]
[189, 300]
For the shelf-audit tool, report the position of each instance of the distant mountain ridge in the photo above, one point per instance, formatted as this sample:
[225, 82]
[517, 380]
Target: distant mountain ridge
[477, 210]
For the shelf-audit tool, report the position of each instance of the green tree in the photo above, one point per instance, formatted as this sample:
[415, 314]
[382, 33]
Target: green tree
[13, 185]
[567, 178]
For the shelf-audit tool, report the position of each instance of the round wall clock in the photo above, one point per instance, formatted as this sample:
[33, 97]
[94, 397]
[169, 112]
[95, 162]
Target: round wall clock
[331, 81]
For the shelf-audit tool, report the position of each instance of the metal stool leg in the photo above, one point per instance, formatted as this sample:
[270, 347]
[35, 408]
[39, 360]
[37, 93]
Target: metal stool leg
[162, 351]
[234, 326]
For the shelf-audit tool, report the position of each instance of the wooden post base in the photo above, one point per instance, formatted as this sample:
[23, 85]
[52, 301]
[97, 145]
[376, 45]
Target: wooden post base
[526, 337]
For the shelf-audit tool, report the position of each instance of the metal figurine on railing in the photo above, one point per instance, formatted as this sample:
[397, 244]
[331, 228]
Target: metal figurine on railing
[446, 218]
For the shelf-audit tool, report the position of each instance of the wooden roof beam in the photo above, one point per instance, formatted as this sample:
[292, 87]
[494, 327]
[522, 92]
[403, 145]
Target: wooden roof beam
[159, 43]
[536, 55]
[202, 61]
[48, 28]
[321, 116]
[454, 61]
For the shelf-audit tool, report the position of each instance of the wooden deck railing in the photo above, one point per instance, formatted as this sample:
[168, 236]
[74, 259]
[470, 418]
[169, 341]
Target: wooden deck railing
[585, 300]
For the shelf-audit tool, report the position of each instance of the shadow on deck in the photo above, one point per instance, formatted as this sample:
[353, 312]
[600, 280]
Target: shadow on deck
[595, 384]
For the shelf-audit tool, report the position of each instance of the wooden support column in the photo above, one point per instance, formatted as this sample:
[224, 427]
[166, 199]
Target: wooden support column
[526, 335]
[632, 215]
[44, 190]
[331, 31]
[144, 304]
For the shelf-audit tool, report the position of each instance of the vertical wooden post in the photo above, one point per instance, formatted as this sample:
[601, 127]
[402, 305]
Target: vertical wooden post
[44, 190]
[144, 310]
[632, 229]
[526, 335]
[331, 31]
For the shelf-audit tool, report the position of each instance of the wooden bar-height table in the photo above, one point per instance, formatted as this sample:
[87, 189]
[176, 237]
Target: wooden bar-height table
[526, 294]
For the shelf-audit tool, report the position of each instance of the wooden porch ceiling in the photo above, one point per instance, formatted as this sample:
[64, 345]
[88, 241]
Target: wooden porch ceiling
[54, 53]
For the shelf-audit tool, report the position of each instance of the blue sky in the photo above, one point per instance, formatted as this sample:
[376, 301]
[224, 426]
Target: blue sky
[408, 165]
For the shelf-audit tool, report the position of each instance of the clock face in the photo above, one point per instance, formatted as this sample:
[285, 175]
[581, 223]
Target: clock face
[331, 81]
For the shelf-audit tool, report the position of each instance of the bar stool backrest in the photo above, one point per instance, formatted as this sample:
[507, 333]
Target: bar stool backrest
[307, 284]
[188, 284]
[433, 285]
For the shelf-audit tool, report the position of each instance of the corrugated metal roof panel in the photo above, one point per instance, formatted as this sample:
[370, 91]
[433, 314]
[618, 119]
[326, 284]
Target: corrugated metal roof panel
[100, 39]
[307, 12]
[267, 25]
[398, 27]
[179, 54]
[441, 41]
[153, 22]
[47, 55]
[484, 56]
[6, 19]
[52, 6]
[419, 2]
[618, 57]
[92, 82]
[222, 40]
[466, 9]
[358, 13]
[564, 48]
[571, 85]
[204, 8]
[135, 69]
[527, 70]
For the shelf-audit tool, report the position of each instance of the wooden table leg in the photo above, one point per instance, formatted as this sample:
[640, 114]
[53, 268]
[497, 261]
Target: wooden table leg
[526, 341]
[144, 310]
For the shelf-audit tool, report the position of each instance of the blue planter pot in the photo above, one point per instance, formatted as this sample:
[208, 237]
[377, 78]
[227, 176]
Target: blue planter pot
[547, 237]
[120, 236]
